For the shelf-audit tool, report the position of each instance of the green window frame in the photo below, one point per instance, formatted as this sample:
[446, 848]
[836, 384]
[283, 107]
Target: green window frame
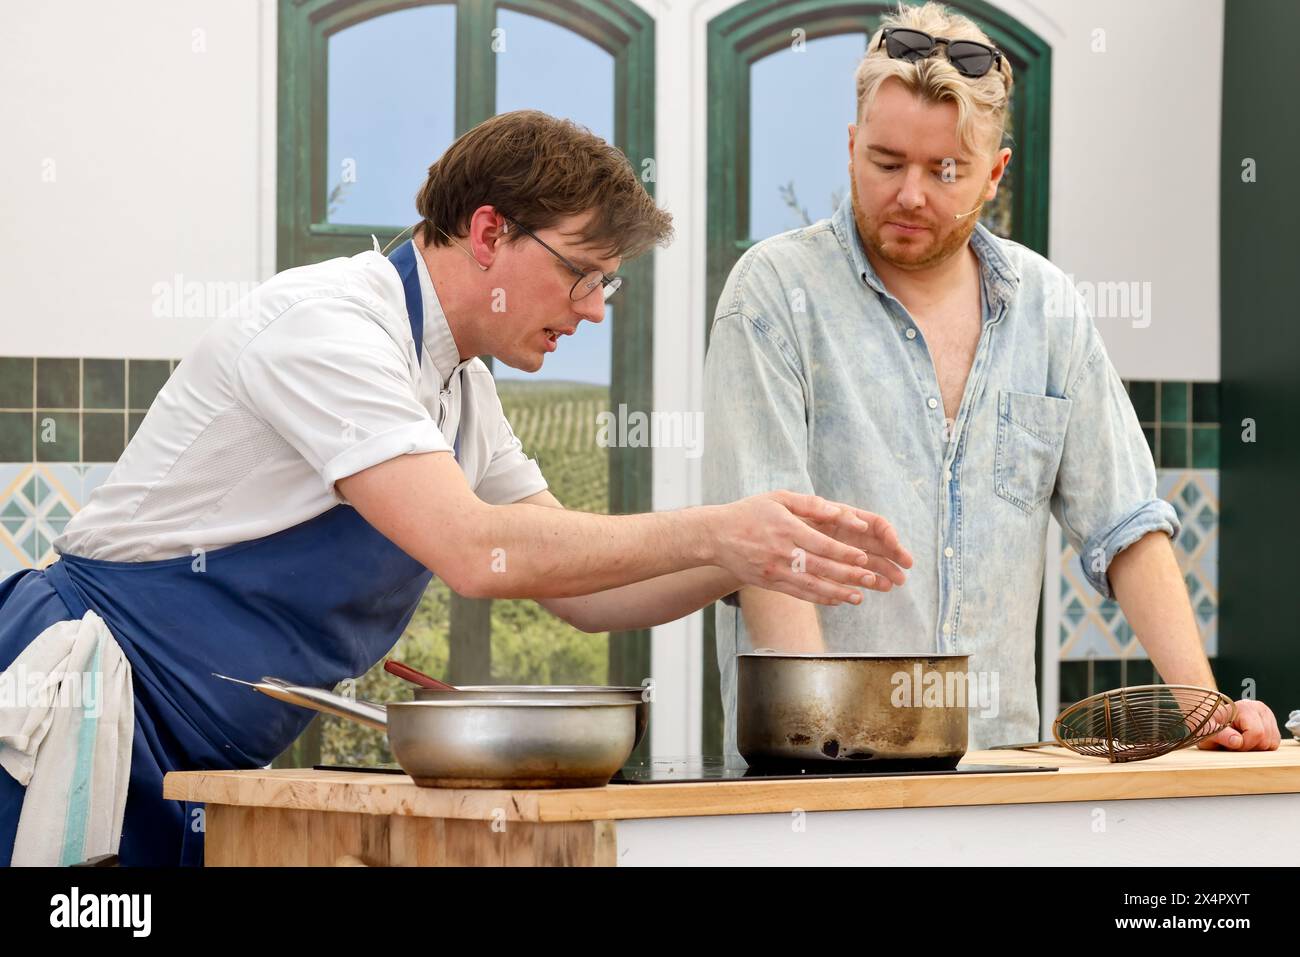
[303, 234]
[746, 33]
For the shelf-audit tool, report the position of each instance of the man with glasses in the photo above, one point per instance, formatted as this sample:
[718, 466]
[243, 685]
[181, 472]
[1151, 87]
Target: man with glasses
[901, 354]
[335, 442]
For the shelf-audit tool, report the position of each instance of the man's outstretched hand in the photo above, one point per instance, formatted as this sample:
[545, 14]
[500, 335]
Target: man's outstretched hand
[806, 546]
[865, 530]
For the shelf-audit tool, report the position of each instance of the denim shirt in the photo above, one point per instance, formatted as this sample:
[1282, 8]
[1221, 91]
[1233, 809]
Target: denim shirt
[818, 380]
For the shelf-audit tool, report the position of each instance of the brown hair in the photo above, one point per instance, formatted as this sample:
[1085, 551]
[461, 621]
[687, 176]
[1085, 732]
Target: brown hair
[538, 169]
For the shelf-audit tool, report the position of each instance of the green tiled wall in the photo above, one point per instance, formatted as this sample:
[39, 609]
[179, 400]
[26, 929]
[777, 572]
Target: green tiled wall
[74, 410]
[1180, 421]
[1079, 679]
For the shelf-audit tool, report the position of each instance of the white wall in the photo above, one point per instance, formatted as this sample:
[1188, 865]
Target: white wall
[1135, 168]
[165, 165]
[158, 118]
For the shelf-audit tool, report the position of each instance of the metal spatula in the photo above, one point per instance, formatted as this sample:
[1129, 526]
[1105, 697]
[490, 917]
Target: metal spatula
[1140, 722]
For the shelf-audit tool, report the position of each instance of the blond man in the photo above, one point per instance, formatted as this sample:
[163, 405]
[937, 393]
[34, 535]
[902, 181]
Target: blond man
[924, 368]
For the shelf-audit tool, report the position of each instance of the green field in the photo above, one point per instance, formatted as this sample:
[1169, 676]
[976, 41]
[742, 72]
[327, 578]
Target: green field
[556, 422]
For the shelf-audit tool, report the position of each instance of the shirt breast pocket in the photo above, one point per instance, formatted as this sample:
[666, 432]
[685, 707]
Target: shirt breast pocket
[1031, 436]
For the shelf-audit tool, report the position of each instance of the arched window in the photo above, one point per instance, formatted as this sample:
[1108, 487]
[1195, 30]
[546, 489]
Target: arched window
[371, 93]
[781, 96]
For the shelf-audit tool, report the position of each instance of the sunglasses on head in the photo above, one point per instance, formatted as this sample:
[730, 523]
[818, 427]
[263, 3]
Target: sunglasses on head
[971, 59]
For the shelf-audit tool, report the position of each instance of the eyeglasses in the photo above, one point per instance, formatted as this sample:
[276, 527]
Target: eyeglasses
[588, 279]
[971, 59]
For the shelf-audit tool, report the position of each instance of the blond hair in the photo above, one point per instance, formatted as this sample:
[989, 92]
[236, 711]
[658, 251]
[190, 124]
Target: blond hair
[981, 103]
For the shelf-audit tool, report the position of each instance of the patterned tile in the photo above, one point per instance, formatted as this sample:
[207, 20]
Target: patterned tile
[46, 438]
[66, 479]
[16, 518]
[36, 502]
[1093, 627]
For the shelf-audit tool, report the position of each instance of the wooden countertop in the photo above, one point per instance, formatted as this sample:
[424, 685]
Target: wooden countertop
[1186, 773]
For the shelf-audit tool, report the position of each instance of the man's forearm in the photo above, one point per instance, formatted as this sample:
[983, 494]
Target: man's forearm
[645, 604]
[539, 552]
[773, 620]
[424, 505]
[1153, 596]
[780, 622]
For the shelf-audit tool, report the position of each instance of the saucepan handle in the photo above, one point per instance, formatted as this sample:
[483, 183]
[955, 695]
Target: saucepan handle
[317, 699]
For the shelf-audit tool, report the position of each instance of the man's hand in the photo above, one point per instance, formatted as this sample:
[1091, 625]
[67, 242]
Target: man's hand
[794, 543]
[1254, 728]
[871, 533]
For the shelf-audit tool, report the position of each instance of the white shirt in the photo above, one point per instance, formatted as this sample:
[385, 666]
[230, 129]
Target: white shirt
[311, 379]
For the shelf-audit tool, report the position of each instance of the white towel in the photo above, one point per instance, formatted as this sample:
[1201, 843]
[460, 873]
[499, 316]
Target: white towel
[67, 716]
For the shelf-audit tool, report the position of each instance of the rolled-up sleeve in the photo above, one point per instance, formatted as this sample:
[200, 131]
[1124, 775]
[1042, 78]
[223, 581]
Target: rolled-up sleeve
[511, 475]
[1105, 496]
[337, 387]
[755, 413]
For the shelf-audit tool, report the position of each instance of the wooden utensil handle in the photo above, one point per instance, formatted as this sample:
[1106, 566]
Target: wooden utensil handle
[408, 673]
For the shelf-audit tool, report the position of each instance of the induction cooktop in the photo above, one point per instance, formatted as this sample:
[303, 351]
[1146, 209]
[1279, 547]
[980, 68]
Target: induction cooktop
[697, 769]
[692, 770]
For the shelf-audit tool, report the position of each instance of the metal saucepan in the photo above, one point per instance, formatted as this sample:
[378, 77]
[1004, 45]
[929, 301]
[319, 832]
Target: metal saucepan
[559, 692]
[513, 743]
[850, 711]
[431, 689]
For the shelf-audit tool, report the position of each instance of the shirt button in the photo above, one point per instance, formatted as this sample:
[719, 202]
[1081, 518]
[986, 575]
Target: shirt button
[947, 628]
[933, 403]
[947, 475]
[947, 552]
[911, 333]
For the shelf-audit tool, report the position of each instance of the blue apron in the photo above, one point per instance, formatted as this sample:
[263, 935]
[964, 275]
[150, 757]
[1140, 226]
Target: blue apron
[314, 604]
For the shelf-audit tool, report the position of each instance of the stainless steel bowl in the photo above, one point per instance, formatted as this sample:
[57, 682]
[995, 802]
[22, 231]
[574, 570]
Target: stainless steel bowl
[557, 692]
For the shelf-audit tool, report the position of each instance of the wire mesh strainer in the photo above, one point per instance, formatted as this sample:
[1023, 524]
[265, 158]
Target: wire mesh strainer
[1140, 722]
